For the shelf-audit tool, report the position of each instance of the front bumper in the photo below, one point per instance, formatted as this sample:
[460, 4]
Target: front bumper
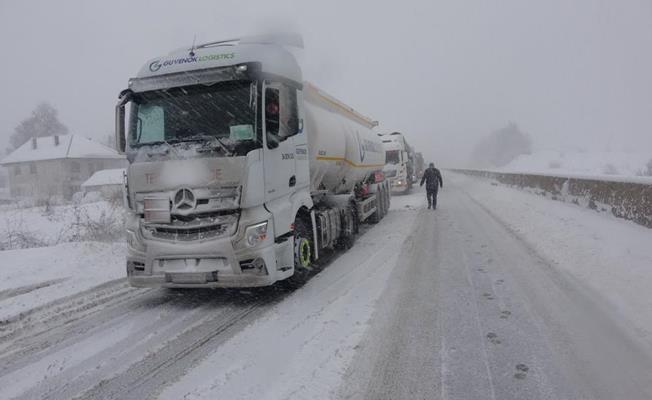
[398, 185]
[208, 264]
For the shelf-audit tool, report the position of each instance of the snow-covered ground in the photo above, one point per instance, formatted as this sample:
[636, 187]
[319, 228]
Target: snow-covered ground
[610, 255]
[314, 332]
[30, 278]
[25, 227]
[220, 344]
[612, 164]
[49, 255]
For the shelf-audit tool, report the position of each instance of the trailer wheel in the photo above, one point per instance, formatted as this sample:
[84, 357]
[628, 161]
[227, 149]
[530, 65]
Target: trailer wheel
[388, 199]
[385, 197]
[381, 202]
[347, 238]
[376, 216]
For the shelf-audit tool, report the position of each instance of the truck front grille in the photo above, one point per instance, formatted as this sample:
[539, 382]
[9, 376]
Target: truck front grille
[197, 227]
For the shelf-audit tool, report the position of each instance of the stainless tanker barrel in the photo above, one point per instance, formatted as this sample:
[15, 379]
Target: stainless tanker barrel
[343, 149]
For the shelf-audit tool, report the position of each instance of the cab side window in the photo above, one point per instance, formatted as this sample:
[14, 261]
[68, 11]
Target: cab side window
[289, 114]
[281, 115]
[272, 118]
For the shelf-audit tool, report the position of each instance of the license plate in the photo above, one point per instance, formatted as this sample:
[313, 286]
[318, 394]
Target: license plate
[189, 277]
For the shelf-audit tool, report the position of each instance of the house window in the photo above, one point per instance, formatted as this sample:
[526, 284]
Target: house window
[32, 168]
[17, 170]
[75, 167]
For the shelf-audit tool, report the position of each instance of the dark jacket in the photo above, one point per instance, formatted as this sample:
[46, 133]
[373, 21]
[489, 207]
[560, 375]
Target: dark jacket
[432, 178]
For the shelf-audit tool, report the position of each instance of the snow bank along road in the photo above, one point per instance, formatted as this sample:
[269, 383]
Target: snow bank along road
[497, 294]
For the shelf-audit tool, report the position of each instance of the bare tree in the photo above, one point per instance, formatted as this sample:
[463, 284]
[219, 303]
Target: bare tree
[42, 122]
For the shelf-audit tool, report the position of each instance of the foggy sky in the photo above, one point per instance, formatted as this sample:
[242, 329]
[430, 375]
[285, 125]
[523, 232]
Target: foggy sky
[573, 74]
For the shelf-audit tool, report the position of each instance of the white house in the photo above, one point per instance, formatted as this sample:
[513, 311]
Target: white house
[109, 182]
[57, 165]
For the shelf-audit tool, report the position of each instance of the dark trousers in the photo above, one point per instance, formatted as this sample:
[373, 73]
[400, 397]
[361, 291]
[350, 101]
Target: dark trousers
[432, 198]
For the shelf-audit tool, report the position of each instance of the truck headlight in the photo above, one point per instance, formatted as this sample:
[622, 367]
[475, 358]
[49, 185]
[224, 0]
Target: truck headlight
[254, 234]
[134, 242]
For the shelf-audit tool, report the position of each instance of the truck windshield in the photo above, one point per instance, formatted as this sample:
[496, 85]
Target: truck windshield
[392, 157]
[225, 111]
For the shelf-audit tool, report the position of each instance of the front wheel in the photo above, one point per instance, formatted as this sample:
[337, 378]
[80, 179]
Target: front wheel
[302, 245]
[303, 256]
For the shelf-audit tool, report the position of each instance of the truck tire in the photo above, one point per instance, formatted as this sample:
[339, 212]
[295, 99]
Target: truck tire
[302, 245]
[381, 202]
[377, 215]
[302, 255]
[388, 198]
[356, 219]
[347, 238]
[385, 201]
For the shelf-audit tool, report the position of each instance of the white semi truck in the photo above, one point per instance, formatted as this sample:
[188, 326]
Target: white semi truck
[400, 166]
[240, 173]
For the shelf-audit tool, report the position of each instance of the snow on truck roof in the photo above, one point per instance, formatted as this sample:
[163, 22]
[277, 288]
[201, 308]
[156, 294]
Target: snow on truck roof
[268, 51]
[106, 177]
[195, 63]
[57, 147]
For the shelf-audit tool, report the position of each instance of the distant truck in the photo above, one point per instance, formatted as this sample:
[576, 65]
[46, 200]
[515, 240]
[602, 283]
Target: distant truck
[240, 173]
[400, 162]
[419, 165]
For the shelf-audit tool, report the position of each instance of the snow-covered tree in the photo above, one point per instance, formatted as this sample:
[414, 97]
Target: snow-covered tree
[501, 147]
[42, 122]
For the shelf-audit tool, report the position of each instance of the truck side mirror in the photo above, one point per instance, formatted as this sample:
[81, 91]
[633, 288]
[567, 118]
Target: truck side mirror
[273, 141]
[120, 138]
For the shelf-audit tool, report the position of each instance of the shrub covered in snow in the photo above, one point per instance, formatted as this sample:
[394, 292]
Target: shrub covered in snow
[50, 225]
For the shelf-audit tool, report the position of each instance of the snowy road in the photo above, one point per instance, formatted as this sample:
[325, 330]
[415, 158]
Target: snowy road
[453, 304]
[477, 314]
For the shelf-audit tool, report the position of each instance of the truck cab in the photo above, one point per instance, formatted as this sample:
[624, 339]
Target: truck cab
[399, 163]
[213, 183]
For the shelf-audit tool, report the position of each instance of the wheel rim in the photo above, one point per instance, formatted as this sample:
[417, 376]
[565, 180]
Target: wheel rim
[304, 253]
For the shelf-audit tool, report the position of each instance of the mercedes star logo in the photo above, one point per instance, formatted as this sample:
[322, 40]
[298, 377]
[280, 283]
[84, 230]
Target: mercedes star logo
[184, 199]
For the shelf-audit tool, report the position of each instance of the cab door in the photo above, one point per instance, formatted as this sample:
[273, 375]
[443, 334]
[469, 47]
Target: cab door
[280, 125]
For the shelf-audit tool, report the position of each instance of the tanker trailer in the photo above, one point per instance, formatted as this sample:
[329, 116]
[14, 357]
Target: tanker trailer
[419, 165]
[240, 173]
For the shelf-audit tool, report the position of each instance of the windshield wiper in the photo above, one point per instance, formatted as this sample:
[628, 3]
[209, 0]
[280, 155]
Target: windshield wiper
[159, 142]
[212, 142]
[226, 150]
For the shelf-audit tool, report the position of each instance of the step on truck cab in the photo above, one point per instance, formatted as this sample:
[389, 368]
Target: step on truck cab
[240, 173]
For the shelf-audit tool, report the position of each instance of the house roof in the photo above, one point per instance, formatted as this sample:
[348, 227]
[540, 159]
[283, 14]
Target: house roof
[106, 177]
[70, 146]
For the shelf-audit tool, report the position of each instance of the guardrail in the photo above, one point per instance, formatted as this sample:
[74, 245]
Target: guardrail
[628, 200]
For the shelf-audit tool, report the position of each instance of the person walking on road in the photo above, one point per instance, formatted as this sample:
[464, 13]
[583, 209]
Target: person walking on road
[433, 180]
